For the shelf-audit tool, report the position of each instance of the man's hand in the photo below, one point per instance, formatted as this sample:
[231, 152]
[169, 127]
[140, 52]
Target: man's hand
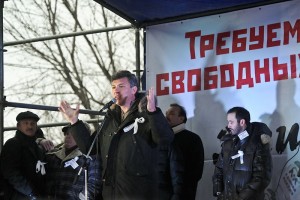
[69, 113]
[47, 144]
[151, 104]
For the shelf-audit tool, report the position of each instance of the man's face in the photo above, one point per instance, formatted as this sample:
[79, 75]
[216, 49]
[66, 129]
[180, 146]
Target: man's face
[27, 126]
[69, 140]
[233, 125]
[173, 117]
[122, 91]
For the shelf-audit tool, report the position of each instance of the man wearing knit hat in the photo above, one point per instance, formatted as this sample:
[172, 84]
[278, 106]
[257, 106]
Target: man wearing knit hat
[64, 180]
[22, 159]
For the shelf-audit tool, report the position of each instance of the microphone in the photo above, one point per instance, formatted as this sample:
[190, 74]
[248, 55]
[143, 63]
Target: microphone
[227, 129]
[221, 134]
[107, 105]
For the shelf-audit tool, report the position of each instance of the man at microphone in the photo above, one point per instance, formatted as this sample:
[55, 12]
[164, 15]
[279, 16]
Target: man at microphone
[128, 141]
[244, 166]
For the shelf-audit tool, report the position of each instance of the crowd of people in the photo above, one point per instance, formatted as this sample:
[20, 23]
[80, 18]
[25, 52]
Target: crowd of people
[137, 153]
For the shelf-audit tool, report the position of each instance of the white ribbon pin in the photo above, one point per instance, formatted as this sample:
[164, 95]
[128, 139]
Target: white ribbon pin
[72, 163]
[240, 155]
[134, 125]
[40, 167]
[243, 135]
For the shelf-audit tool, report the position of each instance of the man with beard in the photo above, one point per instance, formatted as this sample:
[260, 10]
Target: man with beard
[128, 141]
[244, 166]
[22, 161]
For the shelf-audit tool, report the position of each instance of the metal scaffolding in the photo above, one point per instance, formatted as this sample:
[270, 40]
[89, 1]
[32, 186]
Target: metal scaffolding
[4, 103]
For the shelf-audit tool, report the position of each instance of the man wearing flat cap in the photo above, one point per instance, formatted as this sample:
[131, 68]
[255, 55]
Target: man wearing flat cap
[22, 161]
[27, 115]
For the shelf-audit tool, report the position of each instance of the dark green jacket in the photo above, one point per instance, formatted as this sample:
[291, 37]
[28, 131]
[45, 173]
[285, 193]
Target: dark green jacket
[129, 159]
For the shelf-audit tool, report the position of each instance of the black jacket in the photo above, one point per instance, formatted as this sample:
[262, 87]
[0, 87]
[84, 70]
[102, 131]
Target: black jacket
[129, 159]
[19, 158]
[190, 146]
[248, 180]
[171, 173]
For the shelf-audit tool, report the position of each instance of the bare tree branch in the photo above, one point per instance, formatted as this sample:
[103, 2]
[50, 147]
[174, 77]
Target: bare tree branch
[69, 68]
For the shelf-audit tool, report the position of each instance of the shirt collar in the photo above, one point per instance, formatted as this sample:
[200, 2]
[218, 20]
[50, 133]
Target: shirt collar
[178, 128]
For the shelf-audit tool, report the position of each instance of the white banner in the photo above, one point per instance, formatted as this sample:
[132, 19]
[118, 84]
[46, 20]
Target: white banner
[248, 58]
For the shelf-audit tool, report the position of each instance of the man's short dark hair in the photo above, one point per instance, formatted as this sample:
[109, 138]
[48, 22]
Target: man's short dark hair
[125, 74]
[240, 113]
[182, 111]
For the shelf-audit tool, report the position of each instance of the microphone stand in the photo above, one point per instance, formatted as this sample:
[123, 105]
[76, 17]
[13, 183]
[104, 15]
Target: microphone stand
[84, 164]
[85, 184]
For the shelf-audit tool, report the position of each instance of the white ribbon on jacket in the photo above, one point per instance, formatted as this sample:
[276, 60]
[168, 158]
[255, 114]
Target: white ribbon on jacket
[134, 125]
[40, 167]
[239, 155]
[72, 163]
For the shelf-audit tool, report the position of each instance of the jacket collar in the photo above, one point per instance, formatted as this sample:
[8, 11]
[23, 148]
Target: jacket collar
[62, 155]
[20, 134]
[30, 144]
[115, 111]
